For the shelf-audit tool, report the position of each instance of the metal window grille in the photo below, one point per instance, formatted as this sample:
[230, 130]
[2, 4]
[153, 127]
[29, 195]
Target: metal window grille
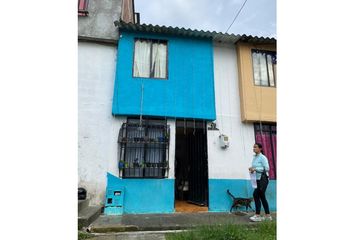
[83, 7]
[143, 149]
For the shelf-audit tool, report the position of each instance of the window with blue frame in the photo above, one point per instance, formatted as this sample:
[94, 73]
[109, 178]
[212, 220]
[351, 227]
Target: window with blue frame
[264, 68]
[150, 58]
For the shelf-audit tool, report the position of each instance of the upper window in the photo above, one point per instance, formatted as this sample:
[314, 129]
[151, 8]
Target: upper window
[150, 58]
[83, 7]
[264, 68]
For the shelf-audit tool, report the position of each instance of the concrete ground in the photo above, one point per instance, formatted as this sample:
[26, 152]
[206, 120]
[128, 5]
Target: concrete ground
[154, 226]
[140, 235]
[131, 236]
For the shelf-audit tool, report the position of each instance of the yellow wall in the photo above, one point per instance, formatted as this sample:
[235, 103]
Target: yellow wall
[257, 102]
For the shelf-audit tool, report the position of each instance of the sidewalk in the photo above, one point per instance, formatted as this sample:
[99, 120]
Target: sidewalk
[163, 222]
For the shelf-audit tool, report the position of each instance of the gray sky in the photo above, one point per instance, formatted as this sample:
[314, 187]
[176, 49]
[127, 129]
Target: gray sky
[257, 18]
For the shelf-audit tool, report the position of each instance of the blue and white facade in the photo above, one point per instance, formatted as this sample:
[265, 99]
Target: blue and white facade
[228, 168]
[202, 84]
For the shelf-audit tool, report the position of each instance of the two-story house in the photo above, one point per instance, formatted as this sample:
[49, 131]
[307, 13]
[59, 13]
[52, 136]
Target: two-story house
[257, 79]
[182, 138]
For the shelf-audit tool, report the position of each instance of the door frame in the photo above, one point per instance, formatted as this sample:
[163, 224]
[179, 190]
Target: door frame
[199, 127]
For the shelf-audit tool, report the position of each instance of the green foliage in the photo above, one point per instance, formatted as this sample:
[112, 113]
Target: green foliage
[264, 231]
[84, 235]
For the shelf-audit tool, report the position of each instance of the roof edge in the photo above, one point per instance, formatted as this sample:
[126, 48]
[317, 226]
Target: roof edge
[215, 36]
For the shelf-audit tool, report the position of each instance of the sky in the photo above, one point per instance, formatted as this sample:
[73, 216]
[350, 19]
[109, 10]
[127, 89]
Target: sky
[257, 18]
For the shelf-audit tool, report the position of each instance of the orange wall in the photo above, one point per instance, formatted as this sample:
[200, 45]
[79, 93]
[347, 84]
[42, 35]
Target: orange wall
[257, 103]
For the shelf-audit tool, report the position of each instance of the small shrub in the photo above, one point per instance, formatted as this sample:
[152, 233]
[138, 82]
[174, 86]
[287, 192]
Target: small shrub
[84, 235]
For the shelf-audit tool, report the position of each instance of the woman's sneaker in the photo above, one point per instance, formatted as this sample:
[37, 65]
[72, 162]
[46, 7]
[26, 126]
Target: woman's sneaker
[256, 218]
[268, 218]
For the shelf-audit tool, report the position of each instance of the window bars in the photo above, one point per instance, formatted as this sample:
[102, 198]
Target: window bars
[143, 149]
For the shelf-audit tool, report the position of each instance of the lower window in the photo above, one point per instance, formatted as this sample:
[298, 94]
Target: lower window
[266, 134]
[143, 148]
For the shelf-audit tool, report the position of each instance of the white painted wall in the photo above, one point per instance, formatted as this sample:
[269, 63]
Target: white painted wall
[97, 128]
[233, 162]
[172, 148]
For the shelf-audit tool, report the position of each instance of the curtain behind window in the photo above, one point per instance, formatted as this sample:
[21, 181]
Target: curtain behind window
[274, 143]
[158, 67]
[154, 155]
[256, 68]
[269, 141]
[263, 69]
[265, 139]
[142, 59]
[260, 69]
[270, 71]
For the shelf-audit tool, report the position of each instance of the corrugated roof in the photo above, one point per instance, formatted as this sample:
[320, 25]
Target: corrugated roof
[216, 36]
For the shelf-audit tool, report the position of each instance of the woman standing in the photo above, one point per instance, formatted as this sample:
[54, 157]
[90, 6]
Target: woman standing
[260, 164]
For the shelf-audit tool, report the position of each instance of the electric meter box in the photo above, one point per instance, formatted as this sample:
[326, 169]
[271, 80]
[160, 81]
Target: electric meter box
[224, 141]
[114, 201]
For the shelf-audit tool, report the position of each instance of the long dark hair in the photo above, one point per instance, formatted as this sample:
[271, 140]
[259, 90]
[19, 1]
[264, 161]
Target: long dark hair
[260, 146]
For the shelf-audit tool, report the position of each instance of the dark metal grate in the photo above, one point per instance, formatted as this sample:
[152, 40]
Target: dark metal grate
[144, 149]
[191, 164]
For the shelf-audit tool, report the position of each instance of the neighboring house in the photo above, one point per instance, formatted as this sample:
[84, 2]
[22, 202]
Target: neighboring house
[245, 93]
[97, 52]
[257, 79]
[244, 101]
[181, 106]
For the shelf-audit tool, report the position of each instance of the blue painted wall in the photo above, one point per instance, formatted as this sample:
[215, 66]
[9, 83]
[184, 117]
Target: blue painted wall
[144, 195]
[157, 195]
[187, 93]
[220, 201]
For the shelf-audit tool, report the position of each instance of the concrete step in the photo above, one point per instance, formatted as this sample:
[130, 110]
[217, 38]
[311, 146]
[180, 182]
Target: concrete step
[83, 204]
[166, 222]
[88, 215]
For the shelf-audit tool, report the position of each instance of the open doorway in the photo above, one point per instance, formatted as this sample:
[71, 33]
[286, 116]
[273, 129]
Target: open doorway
[191, 166]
